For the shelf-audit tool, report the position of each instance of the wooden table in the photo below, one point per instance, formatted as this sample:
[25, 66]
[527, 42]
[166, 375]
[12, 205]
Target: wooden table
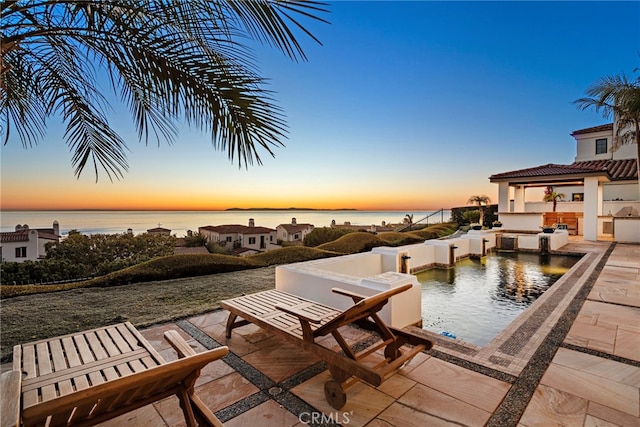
[55, 367]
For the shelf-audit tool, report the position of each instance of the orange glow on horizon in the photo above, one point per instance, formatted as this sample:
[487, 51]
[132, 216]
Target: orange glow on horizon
[118, 196]
[178, 203]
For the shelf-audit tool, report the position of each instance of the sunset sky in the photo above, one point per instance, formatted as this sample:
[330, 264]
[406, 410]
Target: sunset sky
[407, 105]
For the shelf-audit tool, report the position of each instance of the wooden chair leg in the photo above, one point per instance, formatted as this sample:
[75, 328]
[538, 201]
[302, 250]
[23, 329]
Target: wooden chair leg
[335, 394]
[203, 414]
[232, 323]
[185, 404]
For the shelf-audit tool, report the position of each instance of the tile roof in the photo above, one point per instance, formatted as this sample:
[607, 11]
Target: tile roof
[601, 128]
[23, 235]
[14, 236]
[616, 170]
[236, 228]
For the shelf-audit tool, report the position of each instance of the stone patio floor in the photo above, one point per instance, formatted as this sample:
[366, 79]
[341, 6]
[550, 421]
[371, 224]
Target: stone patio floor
[578, 365]
[572, 359]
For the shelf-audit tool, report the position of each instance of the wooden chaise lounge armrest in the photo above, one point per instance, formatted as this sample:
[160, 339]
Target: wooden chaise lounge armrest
[10, 388]
[382, 295]
[356, 297]
[295, 311]
[184, 349]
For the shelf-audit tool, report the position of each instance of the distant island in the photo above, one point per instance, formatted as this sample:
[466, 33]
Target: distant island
[288, 209]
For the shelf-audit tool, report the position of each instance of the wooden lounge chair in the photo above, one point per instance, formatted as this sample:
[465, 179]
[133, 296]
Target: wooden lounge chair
[302, 321]
[84, 393]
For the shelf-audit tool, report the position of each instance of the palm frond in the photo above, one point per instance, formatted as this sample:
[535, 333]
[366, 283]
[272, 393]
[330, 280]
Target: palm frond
[169, 60]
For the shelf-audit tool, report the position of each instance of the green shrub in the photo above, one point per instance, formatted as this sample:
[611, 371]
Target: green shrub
[290, 254]
[175, 267]
[195, 240]
[437, 231]
[471, 217]
[352, 243]
[321, 235]
[394, 238]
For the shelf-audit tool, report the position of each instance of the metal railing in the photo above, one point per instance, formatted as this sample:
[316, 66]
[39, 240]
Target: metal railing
[408, 226]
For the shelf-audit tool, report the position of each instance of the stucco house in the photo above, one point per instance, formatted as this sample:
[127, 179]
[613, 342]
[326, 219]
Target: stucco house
[600, 188]
[293, 232]
[241, 236]
[159, 231]
[27, 243]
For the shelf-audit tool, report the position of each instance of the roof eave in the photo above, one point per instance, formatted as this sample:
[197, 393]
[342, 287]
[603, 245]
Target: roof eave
[541, 180]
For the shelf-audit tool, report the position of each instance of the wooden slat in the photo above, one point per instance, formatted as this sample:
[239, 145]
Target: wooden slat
[43, 360]
[17, 358]
[81, 343]
[94, 366]
[126, 333]
[137, 366]
[60, 419]
[60, 364]
[10, 403]
[82, 412]
[110, 373]
[29, 367]
[57, 355]
[95, 345]
[79, 382]
[118, 340]
[29, 362]
[107, 342]
[159, 360]
[123, 369]
[73, 358]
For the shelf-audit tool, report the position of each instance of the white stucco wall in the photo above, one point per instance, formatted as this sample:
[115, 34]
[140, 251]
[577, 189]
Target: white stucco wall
[627, 229]
[521, 221]
[34, 250]
[586, 147]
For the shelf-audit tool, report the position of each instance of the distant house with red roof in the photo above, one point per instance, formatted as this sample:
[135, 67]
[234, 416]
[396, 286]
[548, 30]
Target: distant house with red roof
[600, 185]
[293, 232]
[27, 243]
[237, 236]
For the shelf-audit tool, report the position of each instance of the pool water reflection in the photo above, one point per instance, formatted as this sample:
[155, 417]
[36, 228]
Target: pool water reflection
[478, 298]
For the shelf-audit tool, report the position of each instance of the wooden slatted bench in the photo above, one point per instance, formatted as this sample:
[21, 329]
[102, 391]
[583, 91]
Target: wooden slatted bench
[86, 378]
[302, 321]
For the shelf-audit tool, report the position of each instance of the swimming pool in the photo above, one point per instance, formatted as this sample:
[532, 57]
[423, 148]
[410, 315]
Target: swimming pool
[478, 298]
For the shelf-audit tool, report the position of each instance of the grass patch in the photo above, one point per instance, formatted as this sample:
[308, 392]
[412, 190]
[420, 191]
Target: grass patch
[176, 267]
[34, 317]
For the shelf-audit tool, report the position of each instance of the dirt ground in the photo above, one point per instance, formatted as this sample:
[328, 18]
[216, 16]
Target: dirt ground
[34, 317]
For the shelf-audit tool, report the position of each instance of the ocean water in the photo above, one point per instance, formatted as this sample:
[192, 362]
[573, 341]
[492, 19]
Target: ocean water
[109, 222]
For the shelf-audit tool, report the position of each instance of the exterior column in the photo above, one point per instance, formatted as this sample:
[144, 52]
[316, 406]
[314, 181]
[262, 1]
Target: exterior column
[519, 199]
[503, 197]
[592, 207]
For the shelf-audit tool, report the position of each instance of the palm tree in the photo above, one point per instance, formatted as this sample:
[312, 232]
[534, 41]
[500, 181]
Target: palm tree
[617, 96]
[552, 196]
[481, 201]
[170, 62]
